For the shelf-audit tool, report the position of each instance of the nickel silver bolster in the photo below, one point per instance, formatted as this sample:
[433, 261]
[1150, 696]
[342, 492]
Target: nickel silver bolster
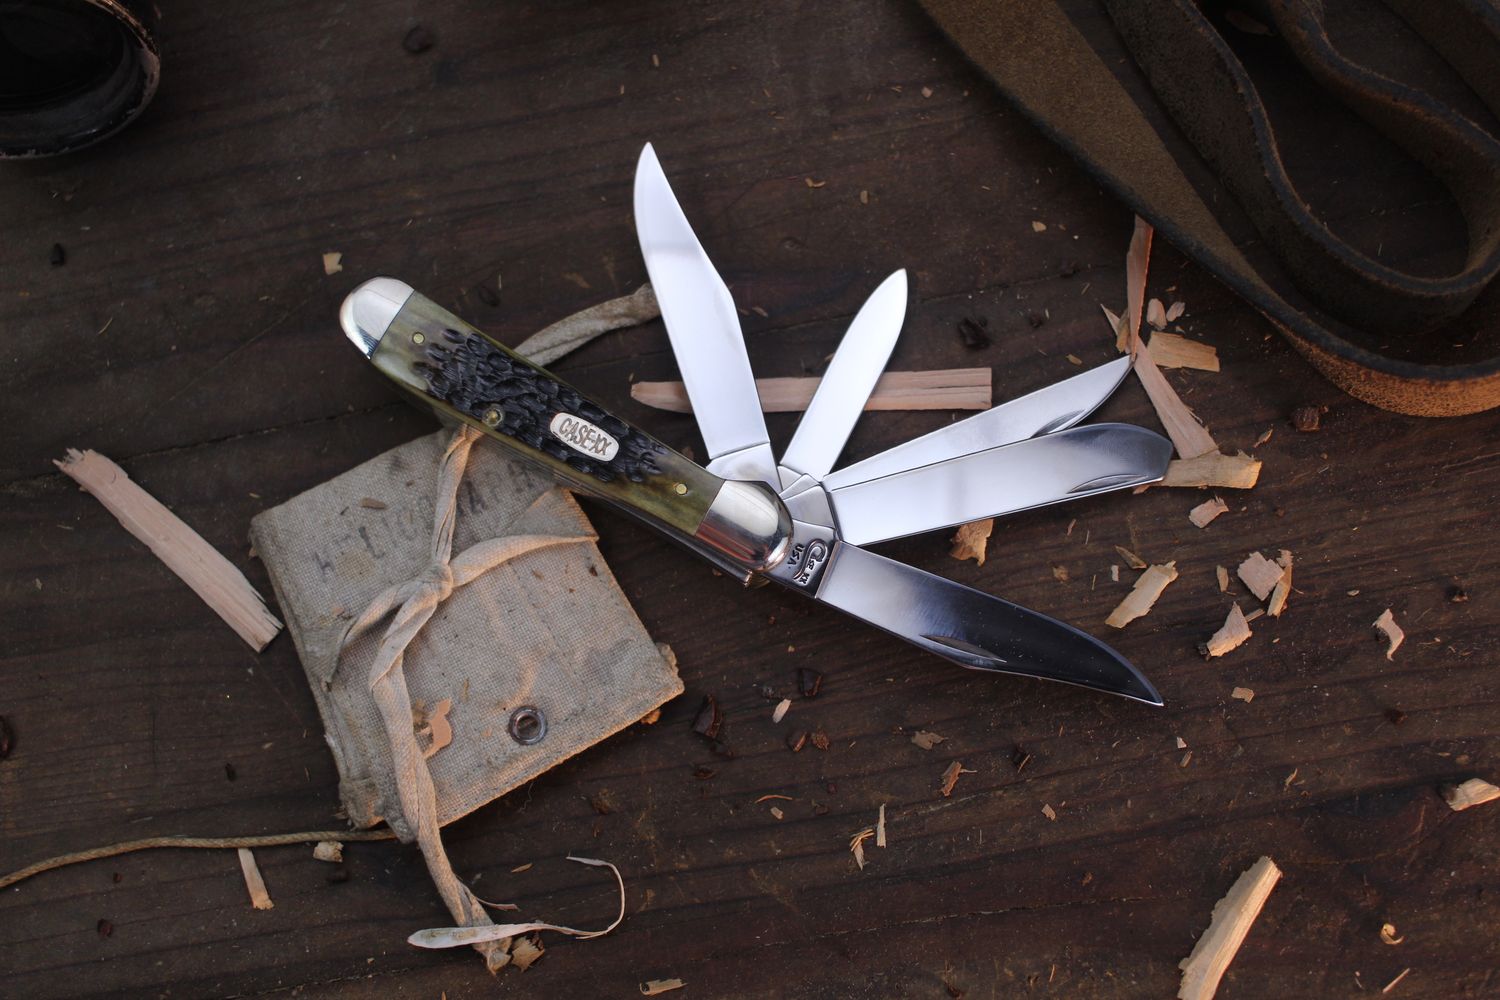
[747, 525]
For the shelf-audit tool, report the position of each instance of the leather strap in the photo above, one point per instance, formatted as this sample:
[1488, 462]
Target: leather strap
[1360, 321]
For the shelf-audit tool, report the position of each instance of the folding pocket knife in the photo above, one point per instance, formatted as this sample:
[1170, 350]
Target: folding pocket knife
[796, 521]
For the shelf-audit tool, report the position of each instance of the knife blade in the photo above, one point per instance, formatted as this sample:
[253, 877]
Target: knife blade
[704, 329]
[1053, 408]
[971, 628]
[1064, 465]
[851, 377]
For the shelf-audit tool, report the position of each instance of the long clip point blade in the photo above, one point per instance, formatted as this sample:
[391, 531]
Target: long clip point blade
[846, 386]
[704, 329]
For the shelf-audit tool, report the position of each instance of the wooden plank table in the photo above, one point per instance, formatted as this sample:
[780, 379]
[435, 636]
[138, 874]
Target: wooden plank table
[192, 336]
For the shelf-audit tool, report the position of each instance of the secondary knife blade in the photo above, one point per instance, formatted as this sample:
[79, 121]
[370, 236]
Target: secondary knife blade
[705, 332]
[971, 628]
[1065, 465]
[1053, 408]
[851, 377]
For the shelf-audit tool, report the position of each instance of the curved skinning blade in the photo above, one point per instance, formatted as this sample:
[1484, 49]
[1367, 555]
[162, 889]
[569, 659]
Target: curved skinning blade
[971, 628]
[705, 332]
[1053, 408]
[851, 377]
[1066, 465]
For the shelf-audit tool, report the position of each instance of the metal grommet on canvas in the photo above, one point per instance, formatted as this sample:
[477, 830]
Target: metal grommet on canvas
[528, 725]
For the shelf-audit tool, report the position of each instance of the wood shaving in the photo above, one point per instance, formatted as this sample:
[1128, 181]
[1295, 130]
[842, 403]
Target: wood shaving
[776, 812]
[944, 389]
[1287, 783]
[1049, 812]
[1223, 575]
[1171, 350]
[972, 540]
[1392, 984]
[1185, 758]
[1148, 587]
[1175, 311]
[950, 777]
[1137, 261]
[436, 722]
[1131, 559]
[1264, 437]
[1060, 574]
[1260, 574]
[259, 898]
[1231, 635]
[1181, 743]
[815, 184]
[198, 564]
[1230, 472]
[781, 709]
[926, 740]
[524, 951]
[1038, 227]
[1474, 792]
[1189, 436]
[773, 797]
[332, 263]
[1243, 694]
[1283, 589]
[1388, 934]
[1156, 314]
[652, 987]
[518, 869]
[880, 827]
[1394, 637]
[1203, 514]
[1227, 927]
[329, 850]
[857, 845]
[651, 718]
[1114, 573]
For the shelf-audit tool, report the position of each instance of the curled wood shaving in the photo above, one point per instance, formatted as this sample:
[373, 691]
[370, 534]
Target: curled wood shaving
[1243, 694]
[1223, 575]
[781, 709]
[328, 850]
[1388, 934]
[880, 827]
[652, 987]
[1131, 559]
[1203, 514]
[259, 898]
[1171, 350]
[1148, 587]
[1474, 792]
[926, 740]
[972, 539]
[1260, 574]
[455, 937]
[950, 777]
[1386, 626]
[1231, 920]
[857, 845]
[198, 564]
[1231, 635]
[1277, 604]
[1230, 472]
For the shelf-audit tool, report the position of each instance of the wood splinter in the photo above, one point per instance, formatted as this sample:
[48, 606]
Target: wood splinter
[1148, 587]
[1227, 927]
[1474, 792]
[259, 897]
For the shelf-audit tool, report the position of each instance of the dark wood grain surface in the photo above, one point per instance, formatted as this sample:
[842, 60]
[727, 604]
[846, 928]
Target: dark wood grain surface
[192, 336]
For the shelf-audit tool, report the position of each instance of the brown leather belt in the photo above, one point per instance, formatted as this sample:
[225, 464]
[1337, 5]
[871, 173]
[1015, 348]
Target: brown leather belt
[1158, 99]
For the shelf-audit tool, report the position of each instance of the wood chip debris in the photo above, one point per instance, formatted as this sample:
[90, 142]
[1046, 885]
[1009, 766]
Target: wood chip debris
[857, 845]
[1227, 927]
[1283, 589]
[1203, 514]
[1388, 934]
[880, 827]
[926, 740]
[198, 564]
[781, 709]
[1156, 314]
[1260, 574]
[1387, 627]
[1171, 350]
[1243, 694]
[1223, 575]
[329, 850]
[1148, 587]
[1230, 472]
[1131, 559]
[972, 540]
[333, 263]
[259, 898]
[1231, 635]
[1175, 311]
[435, 724]
[1038, 226]
[652, 987]
[951, 775]
[1049, 812]
[524, 951]
[777, 813]
[946, 389]
[1471, 793]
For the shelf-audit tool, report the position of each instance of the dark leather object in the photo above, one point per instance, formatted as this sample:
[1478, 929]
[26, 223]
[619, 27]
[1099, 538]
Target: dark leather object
[1271, 155]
